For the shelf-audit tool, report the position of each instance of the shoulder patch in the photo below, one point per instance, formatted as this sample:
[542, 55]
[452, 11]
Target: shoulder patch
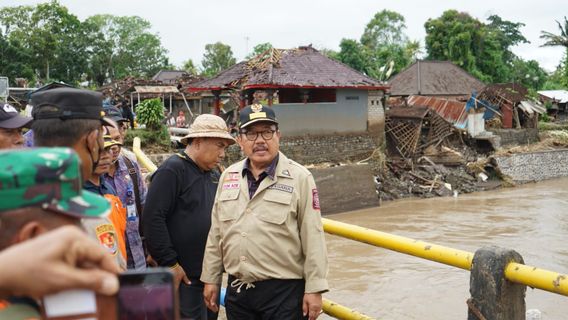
[315, 199]
[107, 237]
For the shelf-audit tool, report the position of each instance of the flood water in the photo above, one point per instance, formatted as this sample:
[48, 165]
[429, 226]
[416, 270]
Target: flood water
[531, 219]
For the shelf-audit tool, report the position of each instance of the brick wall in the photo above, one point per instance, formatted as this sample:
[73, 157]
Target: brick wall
[311, 149]
[534, 166]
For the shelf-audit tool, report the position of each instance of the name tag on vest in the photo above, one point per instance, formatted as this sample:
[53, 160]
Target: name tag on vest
[282, 187]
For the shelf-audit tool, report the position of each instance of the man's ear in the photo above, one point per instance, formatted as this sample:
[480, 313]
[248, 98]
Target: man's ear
[94, 142]
[29, 231]
[240, 141]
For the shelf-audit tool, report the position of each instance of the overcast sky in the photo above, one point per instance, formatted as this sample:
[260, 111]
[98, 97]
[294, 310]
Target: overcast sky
[185, 27]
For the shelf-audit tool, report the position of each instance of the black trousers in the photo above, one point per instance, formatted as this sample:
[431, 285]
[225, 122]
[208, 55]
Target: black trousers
[191, 303]
[269, 300]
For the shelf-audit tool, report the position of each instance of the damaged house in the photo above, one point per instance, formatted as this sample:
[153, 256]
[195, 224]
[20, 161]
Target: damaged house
[311, 93]
[441, 79]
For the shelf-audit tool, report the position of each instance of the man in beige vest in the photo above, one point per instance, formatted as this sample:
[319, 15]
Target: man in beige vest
[266, 231]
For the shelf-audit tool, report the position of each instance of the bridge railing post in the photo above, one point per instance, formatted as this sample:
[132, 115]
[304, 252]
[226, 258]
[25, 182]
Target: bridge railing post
[493, 297]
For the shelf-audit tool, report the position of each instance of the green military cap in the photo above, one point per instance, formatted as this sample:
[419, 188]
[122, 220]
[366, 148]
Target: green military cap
[49, 178]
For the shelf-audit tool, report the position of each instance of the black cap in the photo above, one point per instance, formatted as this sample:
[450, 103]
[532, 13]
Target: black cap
[256, 113]
[114, 114]
[11, 119]
[68, 103]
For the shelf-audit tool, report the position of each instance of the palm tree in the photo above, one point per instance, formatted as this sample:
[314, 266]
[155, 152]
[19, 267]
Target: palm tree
[554, 40]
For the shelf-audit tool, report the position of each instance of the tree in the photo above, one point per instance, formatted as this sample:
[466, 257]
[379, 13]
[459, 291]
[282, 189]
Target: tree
[387, 44]
[481, 49]
[52, 37]
[560, 40]
[190, 67]
[14, 60]
[354, 54]
[383, 47]
[122, 46]
[528, 73]
[258, 49]
[217, 57]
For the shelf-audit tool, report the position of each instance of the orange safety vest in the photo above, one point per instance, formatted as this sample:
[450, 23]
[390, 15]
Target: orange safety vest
[118, 218]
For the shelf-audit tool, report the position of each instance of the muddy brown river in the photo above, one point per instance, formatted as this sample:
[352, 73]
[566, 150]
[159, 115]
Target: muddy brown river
[532, 219]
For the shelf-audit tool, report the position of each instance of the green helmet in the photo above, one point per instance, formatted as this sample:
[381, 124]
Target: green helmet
[49, 178]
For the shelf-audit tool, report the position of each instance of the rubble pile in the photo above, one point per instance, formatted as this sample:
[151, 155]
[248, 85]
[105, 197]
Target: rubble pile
[425, 179]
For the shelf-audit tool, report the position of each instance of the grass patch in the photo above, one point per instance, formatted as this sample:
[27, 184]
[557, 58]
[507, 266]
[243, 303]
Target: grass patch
[548, 126]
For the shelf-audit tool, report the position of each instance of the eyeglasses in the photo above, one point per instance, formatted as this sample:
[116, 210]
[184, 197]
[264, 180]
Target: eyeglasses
[252, 136]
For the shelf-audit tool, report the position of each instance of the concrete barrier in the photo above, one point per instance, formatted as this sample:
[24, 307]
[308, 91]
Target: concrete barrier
[345, 188]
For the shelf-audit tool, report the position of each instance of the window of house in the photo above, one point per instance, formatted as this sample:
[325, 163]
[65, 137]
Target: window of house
[306, 95]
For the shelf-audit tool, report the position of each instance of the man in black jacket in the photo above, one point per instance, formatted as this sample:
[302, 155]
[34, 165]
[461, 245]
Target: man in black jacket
[177, 214]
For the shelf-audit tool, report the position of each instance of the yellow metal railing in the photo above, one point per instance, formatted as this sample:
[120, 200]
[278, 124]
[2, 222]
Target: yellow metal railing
[515, 272]
[142, 157]
[329, 307]
[340, 312]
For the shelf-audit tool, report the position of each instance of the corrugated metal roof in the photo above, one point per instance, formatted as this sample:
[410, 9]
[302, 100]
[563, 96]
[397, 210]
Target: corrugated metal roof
[451, 110]
[561, 95]
[532, 107]
[156, 89]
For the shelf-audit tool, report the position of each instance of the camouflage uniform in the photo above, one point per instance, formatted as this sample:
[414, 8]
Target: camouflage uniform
[48, 178]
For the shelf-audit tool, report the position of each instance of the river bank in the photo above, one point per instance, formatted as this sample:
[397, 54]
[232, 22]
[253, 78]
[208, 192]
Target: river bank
[357, 184]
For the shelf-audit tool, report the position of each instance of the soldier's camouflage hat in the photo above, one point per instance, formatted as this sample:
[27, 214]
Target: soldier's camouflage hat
[49, 178]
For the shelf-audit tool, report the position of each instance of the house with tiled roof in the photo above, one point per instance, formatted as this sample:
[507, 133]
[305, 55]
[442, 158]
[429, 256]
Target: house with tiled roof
[434, 78]
[311, 93]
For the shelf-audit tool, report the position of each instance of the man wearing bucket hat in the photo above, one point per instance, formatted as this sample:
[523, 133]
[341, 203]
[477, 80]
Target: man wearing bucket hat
[177, 214]
[266, 231]
[40, 190]
[11, 124]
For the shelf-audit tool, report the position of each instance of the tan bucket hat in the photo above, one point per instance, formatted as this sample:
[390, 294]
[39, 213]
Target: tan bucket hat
[208, 126]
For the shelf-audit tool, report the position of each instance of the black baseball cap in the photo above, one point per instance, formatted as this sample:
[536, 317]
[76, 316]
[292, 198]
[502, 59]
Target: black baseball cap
[114, 114]
[10, 118]
[68, 103]
[256, 113]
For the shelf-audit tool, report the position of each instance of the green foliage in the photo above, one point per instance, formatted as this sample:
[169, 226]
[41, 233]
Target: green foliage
[151, 113]
[258, 49]
[217, 57]
[559, 40]
[555, 80]
[481, 49]
[160, 138]
[51, 38]
[544, 118]
[528, 73]
[122, 46]
[383, 49]
[53, 44]
[14, 60]
[190, 67]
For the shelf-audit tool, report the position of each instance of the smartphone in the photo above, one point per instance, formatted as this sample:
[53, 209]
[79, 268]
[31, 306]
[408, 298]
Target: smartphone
[148, 294]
